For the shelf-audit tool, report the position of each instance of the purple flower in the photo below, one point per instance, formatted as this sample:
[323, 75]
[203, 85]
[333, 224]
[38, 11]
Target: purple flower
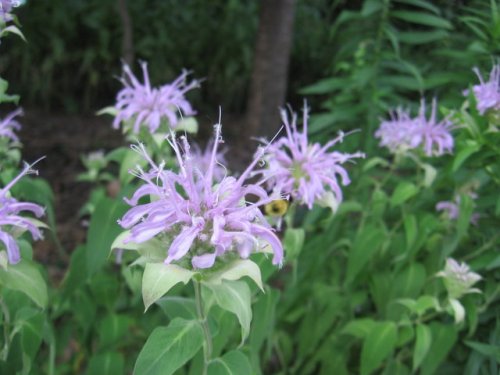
[394, 133]
[433, 136]
[145, 105]
[308, 172]
[6, 8]
[204, 220]
[8, 125]
[452, 208]
[201, 159]
[403, 133]
[10, 209]
[487, 93]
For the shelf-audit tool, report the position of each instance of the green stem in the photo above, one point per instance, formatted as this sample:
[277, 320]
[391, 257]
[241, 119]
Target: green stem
[6, 324]
[207, 345]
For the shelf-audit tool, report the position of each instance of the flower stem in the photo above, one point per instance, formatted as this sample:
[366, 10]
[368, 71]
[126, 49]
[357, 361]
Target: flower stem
[6, 324]
[207, 345]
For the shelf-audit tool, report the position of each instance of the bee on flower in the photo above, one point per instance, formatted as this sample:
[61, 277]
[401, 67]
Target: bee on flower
[307, 172]
[204, 219]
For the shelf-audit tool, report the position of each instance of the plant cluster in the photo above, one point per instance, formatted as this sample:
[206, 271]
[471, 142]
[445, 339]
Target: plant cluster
[312, 260]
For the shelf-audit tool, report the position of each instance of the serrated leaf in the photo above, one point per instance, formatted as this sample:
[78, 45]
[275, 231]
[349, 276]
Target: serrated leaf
[169, 348]
[231, 363]
[26, 278]
[235, 297]
[235, 271]
[378, 345]
[422, 344]
[159, 278]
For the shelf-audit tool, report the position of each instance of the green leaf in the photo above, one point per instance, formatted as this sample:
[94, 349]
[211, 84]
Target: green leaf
[130, 161]
[168, 348]
[293, 242]
[231, 363]
[365, 246]
[159, 278]
[112, 329]
[457, 309]
[377, 346]
[235, 271]
[411, 229]
[178, 307]
[430, 174]
[423, 18]
[235, 297]
[103, 229]
[422, 37]
[425, 303]
[110, 363]
[26, 278]
[31, 326]
[422, 345]
[490, 351]
[359, 328]
[464, 153]
[188, 124]
[404, 191]
[409, 281]
[443, 338]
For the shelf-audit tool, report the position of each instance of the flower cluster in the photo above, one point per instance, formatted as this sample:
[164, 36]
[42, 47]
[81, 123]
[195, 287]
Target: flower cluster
[402, 133]
[204, 219]
[458, 279]
[308, 172]
[487, 93]
[8, 125]
[145, 105]
[10, 220]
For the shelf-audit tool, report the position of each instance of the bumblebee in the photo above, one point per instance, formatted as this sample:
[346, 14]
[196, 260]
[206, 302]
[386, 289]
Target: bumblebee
[276, 208]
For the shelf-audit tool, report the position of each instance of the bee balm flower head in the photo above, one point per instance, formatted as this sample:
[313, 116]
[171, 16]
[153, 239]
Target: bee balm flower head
[10, 220]
[403, 133]
[203, 220]
[308, 172]
[144, 105]
[487, 93]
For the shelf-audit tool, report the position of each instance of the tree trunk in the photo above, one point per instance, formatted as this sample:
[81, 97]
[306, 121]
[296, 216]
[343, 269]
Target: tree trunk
[270, 70]
[127, 40]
